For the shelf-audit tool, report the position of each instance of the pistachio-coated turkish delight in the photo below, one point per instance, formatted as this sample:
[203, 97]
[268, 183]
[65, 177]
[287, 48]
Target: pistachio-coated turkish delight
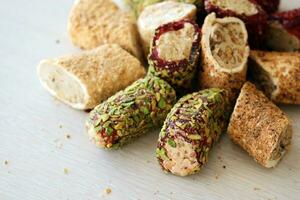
[131, 112]
[190, 130]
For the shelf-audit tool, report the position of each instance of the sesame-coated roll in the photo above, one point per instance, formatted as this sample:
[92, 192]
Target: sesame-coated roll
[260, 127]
[86, 79]
[190, 130]
[131, 112]
[254, 17]
[277, 74]
[283, 32]
[174, 53]
[224, 54]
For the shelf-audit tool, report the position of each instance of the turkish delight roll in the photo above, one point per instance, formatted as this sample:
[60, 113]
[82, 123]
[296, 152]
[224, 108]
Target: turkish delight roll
[161, 13]
[86, 79]
[254, 17]
[260, 127]
[174, 53]
[224, 54]
[283, 32]
[95, 22]
[131, 112]
[277, 74]
[137, 6]
[190, 130]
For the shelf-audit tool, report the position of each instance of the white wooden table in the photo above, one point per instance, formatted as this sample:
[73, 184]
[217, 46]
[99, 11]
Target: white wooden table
[33, 129]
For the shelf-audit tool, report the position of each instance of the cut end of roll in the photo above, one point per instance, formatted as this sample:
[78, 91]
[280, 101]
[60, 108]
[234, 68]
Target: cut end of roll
[226, 41]
[62, 84]
[281, 148]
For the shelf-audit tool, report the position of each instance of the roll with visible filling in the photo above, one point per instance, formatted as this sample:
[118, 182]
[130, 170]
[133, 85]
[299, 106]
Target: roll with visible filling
[283, 32]
[190, 130]
[260, 127]
[224, 54]
[161, 13]
[138, 6]
[174, 53]
[84, 80]
[277, 74]
[131, 112]
[95, 22]
[254, 17]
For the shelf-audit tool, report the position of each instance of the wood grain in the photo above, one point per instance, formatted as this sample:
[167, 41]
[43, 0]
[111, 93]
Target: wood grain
[37, 149]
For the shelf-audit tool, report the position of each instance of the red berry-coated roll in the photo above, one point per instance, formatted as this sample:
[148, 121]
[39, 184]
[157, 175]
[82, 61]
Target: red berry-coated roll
[269, 6]
[174, 53]
[283, 33]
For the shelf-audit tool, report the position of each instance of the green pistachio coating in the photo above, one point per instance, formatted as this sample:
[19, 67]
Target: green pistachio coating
[131, 112]
[190, 130]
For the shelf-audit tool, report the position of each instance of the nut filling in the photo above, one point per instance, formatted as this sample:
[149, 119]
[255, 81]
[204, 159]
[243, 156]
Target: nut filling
[227, 43]
[176, 45]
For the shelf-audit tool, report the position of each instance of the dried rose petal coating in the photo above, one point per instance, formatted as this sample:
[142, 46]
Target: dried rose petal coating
[254, 17]
[224, 54]
[131, 112]
[260, 127]
[190, 130]
[174, 53]
[277, 74]
[269, 6]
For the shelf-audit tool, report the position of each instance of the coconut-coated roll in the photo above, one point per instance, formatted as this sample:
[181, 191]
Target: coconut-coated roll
[260, 127]
[131, 112]
[190, 130]
[224, 54]
[254, 17]
[283, 32]
[161, 13]
[277, 74]
[138, 6]
[85, 79]
[174, 53]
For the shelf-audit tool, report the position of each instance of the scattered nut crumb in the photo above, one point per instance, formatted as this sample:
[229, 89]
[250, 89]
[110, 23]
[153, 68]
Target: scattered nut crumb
[57, 41]
[255, 189]
[66, 171]
[216, 176]
[224, 166]
[68, 136]
[6, 162]
[107, 190]
[60, 126]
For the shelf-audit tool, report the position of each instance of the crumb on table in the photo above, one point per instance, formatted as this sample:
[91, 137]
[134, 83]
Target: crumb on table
[6, 162]
[66, 171]
[68, 136]
[224, 166]
[107, 190]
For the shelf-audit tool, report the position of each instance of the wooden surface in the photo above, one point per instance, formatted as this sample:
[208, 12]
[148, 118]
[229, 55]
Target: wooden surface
[33, 129]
